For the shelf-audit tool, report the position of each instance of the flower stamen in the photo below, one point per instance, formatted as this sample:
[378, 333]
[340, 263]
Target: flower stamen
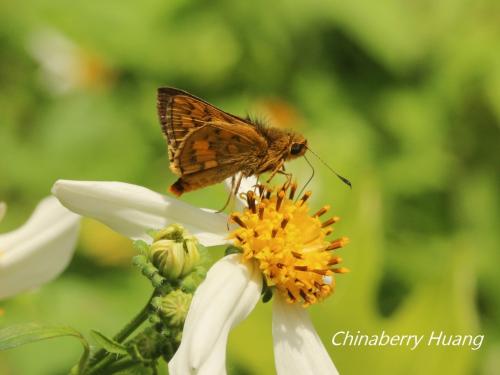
[334, 261]
[261, 212]
[293, 189]
[269, 192]
[338, 243]
[281, 195]
[284, 222]
[288, 244]
[322, 211]
[340, 270]
[304, 198]
[330, 221]
[238, 220]
[251, 201]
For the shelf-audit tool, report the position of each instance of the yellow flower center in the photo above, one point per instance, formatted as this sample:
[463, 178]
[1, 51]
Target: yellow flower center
[289, 244]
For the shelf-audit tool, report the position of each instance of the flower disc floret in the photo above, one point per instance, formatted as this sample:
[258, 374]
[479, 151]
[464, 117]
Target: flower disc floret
[288, 243]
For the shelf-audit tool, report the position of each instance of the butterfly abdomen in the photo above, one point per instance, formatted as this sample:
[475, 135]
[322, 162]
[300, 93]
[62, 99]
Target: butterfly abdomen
[177, 188]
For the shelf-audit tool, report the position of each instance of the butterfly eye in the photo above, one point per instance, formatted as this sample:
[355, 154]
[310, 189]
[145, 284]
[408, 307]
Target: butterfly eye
[296, 148]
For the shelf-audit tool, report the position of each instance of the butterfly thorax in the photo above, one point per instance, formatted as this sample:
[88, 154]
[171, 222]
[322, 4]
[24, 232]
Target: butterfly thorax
[280, 143]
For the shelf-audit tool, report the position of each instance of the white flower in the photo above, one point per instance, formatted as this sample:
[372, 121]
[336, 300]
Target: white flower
[39, 250]
[65, 66]
[233, 285]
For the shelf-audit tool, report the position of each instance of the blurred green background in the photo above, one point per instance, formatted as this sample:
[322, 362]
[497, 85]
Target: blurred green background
[402, 97]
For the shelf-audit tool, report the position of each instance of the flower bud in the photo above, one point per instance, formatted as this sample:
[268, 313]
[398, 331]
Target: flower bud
[147, 345]
[174, 252]
[174, 306]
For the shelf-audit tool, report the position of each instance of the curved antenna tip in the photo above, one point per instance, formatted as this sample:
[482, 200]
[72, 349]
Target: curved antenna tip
[342, 178]
[345, 181]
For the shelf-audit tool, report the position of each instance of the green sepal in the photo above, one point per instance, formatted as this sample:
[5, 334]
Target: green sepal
[142, 247]
[140, 261]
[148, 270]
[267, 296]
[267, 291]
[194, 279]
[232, 250]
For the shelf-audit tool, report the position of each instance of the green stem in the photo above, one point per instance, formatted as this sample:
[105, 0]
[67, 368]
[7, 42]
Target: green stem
[123, 334]
[140, 318]
[103, 366]
[112, 365]
[121, 365]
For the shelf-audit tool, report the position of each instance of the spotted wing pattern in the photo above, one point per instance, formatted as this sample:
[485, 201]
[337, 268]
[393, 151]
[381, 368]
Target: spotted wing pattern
[205, 143]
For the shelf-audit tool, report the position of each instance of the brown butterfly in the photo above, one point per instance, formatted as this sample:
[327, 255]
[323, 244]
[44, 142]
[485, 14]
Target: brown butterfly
[207, 145]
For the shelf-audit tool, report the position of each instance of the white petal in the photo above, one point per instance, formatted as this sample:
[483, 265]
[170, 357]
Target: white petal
[133, 210]
[3, 210]
[226, 297]
[247, 184]
[39, 250]
[297, 347]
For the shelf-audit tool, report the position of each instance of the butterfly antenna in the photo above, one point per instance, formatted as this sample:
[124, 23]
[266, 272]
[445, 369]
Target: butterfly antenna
[308, 181]
[342, 178]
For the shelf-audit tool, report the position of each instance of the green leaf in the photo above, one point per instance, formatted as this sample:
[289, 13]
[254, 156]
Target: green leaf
[107, 343]
[17, 335]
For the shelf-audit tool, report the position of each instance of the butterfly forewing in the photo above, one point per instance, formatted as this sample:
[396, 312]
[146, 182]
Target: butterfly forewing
[205, 143]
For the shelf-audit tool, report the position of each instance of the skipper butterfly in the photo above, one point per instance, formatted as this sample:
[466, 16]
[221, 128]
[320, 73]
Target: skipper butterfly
[207, 145]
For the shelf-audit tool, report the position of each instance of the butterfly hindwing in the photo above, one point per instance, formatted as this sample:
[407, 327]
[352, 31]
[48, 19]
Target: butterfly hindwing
[203, 178]
[215, 145]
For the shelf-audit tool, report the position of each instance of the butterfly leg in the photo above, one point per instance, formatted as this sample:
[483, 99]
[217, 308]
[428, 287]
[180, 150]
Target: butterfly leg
[281, 170]
[276, 170]
[229, 196]
[288, 178]
[235, 186]
[256, 186]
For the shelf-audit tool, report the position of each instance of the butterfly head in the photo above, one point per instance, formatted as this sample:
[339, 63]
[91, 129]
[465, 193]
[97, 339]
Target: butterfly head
[297, 146]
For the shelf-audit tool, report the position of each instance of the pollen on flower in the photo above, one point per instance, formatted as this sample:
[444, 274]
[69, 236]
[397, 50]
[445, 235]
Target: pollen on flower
[289, 244]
